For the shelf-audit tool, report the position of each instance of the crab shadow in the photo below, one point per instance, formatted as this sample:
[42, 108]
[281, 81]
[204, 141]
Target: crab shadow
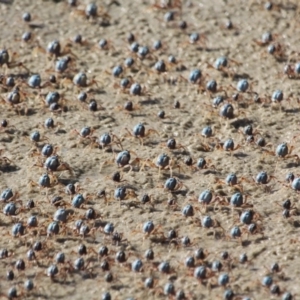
[118, 287]
[247, 243]
[105, 23]
[138, 115]
[8, 2]
[66, 181]
[63, 240]
[178, 175]
[100, 223]
[237, 76]
[296, 223]
[241, 123]
[289, 6]
[9, 169]
[169, 123]
[87, 275]
[149, 101]
[60, 131]
[60, 281]
[240, 154]
[207, 172]
[180, 152]
[162, 240]
[10, 135]
[281, 59]
[292, 165]
[36, 26]
[292, 110]
[180, 192]
[210, 49]
[129, 186]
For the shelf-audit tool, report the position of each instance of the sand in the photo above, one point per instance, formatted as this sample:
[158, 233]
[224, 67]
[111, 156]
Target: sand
[277, 239]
